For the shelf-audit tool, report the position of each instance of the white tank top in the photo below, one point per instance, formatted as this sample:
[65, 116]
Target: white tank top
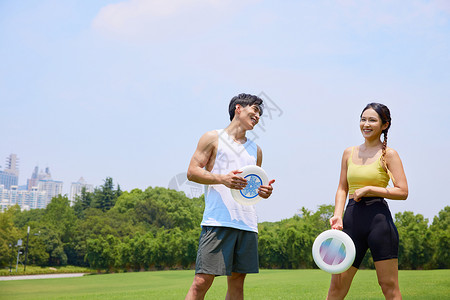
[220, 207]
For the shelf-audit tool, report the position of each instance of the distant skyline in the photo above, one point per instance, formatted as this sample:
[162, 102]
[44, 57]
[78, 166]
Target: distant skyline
[23, 178]
[124, 89]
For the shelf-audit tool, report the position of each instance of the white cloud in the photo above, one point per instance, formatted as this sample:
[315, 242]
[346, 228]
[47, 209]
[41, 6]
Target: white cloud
[162, 19]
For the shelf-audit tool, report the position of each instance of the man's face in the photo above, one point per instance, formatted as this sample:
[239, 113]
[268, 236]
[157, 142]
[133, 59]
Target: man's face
[249, 115]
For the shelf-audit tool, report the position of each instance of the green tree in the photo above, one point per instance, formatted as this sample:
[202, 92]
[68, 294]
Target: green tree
[22, 219]
[9, 235]
[102, 252]
[54, 246]
[105, 197]
[83, 202]
[414, 248]
[56, 228]
[440, 233]
[37, 254]
[127, 200]
[59, 215]
[160, 207]
[269, 246]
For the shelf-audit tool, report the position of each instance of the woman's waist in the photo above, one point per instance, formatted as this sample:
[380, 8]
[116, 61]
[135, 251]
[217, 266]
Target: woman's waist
[366, 200]
[353, 187]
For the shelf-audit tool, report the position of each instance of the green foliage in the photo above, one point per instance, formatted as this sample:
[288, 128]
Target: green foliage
[440, 232]
[54, 246]
[105, 197]
[158, 229]
[22, 219]
[160, 207]
[152, 229]
[288, 243]
[9, 235]
[102, 252]
[414, 248]
[82, 202]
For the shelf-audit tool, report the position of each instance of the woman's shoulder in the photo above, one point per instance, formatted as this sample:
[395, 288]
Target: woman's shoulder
[348, 151]
[391, 153]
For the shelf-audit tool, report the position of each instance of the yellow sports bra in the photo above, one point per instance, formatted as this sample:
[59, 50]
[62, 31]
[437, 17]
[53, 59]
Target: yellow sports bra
[359, 176]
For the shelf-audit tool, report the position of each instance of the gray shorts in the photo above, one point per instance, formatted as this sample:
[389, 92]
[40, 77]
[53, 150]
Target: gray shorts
[223, 250]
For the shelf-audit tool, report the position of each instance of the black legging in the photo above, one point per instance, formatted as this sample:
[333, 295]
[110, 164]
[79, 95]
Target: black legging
[369, 223]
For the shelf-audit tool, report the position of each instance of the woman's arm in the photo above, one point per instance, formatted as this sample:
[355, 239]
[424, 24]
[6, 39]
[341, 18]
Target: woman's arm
[341, 193]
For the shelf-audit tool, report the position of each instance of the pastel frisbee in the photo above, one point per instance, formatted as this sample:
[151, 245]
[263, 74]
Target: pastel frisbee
[256, 177]
[333, 251]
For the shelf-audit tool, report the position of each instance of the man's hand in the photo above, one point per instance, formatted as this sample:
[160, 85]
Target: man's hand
[234, 181]
[266, 190]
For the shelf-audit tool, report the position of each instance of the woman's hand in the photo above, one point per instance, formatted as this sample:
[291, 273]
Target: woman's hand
[336, 223]
[359, 193]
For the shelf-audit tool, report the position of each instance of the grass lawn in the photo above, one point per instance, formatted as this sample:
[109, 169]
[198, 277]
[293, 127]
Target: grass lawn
[269, 284]
[33, 270]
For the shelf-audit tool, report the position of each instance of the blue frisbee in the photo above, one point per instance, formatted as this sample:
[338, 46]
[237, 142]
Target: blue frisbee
[255, 177]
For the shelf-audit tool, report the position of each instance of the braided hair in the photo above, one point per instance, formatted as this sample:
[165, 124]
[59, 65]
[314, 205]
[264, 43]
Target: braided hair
[385, 116]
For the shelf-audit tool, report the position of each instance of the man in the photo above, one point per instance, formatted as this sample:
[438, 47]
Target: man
[228, 243]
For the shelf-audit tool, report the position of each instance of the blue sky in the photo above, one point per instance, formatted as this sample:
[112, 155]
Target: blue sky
[126, 88]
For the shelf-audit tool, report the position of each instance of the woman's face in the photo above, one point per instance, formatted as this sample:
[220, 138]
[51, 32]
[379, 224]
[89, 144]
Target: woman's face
[371, 125]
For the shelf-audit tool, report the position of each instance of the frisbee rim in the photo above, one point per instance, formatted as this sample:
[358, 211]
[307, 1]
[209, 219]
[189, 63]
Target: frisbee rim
[246, 171]
[350, 251]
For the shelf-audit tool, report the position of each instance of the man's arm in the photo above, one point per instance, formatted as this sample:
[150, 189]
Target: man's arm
[264, 190]
[203, 157]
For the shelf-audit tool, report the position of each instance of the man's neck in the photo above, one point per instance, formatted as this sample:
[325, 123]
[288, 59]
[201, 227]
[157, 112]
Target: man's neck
[236, 132]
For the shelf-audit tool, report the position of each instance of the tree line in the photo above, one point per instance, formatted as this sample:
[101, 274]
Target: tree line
[158, 228]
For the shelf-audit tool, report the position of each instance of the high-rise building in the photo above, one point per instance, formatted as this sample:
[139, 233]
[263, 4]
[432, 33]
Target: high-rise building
[25, 199]
[32, 182]
[4, 198]
[76, 187]
[52, 188]
[10, 175]
[42, 181]
[38, 192]
[38, 176]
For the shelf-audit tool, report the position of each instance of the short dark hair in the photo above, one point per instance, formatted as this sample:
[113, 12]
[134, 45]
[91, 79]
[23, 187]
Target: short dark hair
[244, 100]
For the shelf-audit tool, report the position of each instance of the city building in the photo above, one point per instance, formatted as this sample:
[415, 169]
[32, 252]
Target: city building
[38, 176]
[76, 188]
[40, 189]
[25, 199]
[10, 175]
[43, 182]
[4, 198]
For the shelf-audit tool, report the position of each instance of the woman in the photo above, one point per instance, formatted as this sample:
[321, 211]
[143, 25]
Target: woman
[365, 173]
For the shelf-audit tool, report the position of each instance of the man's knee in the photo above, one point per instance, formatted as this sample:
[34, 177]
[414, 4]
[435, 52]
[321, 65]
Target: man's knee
[237, 277]
[202, 282]
[236, 280]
